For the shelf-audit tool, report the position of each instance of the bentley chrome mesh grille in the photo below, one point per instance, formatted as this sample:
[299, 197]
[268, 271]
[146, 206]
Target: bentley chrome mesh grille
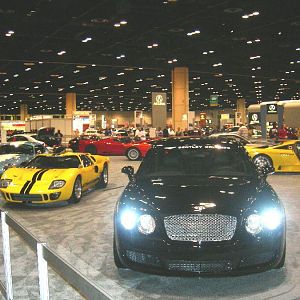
[200, 227]
[200, 267]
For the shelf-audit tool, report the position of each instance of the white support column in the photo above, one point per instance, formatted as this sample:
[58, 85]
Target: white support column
[43, 272]
[6, 257]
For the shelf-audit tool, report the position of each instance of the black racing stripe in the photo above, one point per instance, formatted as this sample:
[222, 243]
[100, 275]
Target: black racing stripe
[24, 187]
[41, 174]
[33, 181]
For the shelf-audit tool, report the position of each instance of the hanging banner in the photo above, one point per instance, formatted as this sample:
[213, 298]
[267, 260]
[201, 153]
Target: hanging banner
[213, 100]
[254, 118]
[272, 109]
[159, 109]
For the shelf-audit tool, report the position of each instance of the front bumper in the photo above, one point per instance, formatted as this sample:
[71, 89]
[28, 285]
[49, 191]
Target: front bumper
[235, 257]
[38, 198]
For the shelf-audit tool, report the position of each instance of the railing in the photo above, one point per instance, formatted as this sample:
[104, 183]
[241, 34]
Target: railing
[45, 256]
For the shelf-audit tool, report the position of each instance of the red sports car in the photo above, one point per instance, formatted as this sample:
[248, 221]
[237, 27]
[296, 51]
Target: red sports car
[115, 146]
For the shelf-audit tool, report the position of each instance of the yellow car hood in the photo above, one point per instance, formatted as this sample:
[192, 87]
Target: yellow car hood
[27, 174]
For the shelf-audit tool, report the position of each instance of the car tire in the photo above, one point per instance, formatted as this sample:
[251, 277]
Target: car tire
[91, 149]
[262, 161]
[117, 260]
[77, 191]
[103, 179]
[282, 261]
[133, 154]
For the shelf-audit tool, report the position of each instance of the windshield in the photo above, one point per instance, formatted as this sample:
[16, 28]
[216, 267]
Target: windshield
[54, 162]
[20, 149]
[204, 161]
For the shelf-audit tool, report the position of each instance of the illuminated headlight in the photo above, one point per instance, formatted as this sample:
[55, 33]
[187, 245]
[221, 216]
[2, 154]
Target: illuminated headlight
[146, 224]
[128, 219]
[254, 224]
[270, 219]
[57, 184]
[4, 183]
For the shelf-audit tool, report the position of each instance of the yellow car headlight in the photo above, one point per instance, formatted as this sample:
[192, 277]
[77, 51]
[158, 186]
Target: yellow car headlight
[57, 184]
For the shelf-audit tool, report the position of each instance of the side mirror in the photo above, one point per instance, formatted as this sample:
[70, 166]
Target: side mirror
[129, 170]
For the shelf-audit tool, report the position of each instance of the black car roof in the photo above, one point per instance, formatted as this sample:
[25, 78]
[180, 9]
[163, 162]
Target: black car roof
[199, 141]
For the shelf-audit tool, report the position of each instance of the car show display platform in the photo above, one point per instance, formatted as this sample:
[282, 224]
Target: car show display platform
[82, 234]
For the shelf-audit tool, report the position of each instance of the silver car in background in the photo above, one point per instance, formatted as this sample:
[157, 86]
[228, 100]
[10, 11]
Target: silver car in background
[14, 153]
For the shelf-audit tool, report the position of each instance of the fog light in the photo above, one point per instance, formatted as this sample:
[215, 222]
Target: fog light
[54, 196]
[254, 224]
[146, 224]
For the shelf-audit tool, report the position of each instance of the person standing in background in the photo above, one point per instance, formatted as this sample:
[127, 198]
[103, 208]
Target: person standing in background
[178, 132]
[166, 132]
[59, 136]
[243, 131]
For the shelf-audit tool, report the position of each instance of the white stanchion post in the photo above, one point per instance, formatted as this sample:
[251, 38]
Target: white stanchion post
[43, 272]
[6, 256]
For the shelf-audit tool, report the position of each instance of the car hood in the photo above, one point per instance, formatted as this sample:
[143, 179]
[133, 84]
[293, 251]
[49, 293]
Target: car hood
[214, 194]
[28, 174]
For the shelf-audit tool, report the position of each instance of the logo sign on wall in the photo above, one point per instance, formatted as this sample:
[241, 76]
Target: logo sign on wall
[254, 118]
[272, 108]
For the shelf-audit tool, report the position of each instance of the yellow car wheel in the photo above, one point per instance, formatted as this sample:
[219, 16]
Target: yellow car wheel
[103, 180]
[77, 191]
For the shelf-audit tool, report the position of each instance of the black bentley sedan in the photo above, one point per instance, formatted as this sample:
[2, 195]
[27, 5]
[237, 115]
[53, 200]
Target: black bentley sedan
[198, 206]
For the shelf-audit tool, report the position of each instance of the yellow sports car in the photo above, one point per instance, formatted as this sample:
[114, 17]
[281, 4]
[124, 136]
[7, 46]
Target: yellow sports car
[52, 178]
[284, 157]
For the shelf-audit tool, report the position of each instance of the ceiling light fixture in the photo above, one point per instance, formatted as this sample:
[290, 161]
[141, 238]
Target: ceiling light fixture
[62, 52]
[87, 39]
[255, 13]
[9, 33]
[193, 32]
[255, 57]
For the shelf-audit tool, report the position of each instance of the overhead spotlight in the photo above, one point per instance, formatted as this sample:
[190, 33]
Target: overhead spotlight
[9, 33]
[61, 52]
[87, 39]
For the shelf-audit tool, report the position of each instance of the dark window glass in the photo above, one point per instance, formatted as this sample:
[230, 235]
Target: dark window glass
[86, 160]
[204, 160]
[55, 162]
[20, 149]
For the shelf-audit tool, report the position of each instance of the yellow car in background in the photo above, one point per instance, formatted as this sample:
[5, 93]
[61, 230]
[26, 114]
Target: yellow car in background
[284, 157]
[54, 177]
